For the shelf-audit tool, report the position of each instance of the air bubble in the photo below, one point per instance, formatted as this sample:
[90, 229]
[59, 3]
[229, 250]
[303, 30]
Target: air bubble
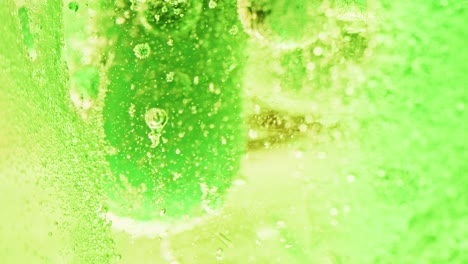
[212, 4]
[234, 30]
[162, 211]
[252, 134]
[142, 51]
[381, 173]
[119, 20]
[318, 51]
[156, 118]
[350, 178]
[219, 254]
[170, 77]
[333, 211]
[168, 16]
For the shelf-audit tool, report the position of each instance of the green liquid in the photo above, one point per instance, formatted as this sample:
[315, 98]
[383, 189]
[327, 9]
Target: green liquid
[341, 147]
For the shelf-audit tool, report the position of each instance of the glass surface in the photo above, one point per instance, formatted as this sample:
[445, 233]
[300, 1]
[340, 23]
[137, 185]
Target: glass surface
[224, 131]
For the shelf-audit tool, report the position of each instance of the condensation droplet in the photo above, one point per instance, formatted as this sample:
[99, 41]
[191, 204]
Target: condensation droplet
[142, 51]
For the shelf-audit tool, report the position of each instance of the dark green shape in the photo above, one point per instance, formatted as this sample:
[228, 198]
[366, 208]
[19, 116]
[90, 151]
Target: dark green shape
[86, 82]
[28, 37]
[73, 6]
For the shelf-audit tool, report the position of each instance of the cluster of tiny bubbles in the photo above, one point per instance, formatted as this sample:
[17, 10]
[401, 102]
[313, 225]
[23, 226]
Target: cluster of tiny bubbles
[156, 119]
[164, 16]
[142, 51]
[280, 23]
[288, 25]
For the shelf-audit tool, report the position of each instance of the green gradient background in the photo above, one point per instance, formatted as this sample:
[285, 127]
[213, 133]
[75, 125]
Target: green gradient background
[405, 144]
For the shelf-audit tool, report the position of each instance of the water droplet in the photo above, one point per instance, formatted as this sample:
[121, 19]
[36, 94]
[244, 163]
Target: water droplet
[350, 178]
[156, 118]
[142, 51]
[73, 6]
[219, 254]
[333, 211]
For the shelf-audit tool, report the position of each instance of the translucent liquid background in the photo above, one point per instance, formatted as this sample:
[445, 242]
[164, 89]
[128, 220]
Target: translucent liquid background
[354, 153]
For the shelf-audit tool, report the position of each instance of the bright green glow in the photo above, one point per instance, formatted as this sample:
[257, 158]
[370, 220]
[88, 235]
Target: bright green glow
[386, 185]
